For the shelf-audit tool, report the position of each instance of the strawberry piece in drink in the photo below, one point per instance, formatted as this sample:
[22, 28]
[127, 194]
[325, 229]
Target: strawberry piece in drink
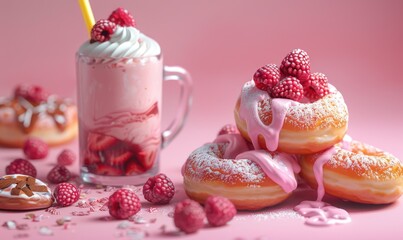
[103, 169]
[133, 168]
[99, 142]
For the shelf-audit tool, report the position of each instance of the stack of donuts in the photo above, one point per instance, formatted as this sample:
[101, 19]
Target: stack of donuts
[290, 122]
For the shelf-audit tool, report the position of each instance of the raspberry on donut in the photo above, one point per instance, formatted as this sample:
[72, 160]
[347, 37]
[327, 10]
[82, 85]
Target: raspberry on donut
[290, 126]
[296, 64]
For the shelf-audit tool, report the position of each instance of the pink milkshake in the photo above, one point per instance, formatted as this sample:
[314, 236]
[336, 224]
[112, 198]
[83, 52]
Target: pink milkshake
[120, 76]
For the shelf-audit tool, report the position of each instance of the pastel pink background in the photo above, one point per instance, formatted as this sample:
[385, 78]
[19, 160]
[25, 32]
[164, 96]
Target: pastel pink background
[357, 44]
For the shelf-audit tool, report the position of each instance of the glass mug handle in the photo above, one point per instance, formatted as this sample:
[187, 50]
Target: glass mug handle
[185, 101]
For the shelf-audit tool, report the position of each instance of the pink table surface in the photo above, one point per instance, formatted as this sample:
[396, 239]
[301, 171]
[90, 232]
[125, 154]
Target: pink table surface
[357, 44]
[279, 222]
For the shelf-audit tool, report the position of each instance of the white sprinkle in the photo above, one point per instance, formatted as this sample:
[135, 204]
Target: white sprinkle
[124, 225]
[45, 231]
[10, 225]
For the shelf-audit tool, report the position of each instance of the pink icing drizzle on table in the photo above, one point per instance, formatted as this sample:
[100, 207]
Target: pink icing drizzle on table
[319, 213]
[248, 111]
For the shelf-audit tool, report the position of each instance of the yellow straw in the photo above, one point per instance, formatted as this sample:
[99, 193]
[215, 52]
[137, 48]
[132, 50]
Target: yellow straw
[87, 14]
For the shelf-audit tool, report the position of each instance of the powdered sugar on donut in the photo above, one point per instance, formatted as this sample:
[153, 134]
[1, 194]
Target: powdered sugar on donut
[203, 163]
[244, 165]
[330, 111]
[374, 164]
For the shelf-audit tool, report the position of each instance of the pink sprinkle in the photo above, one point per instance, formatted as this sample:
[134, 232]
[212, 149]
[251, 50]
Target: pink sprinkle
[21, 235]
[22, 226]
[171, 214]
[85, 191]
[52, 211]
[66, 226]
[163, 228]
[103, 200]
[38, 218]
[83, 204]
[80, 213]
[104, 207]
[92, 209]
[110, 189]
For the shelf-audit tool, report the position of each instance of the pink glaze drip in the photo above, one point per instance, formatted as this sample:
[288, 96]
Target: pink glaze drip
[279, 168]
[319, 213]
[236, 144]
[318, 170]
[248, 111]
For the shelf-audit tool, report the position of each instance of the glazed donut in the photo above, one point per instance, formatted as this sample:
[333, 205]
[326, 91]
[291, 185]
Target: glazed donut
[54, 121]
[22, 192]
[289, 126]
[249, 179]
[356, 172]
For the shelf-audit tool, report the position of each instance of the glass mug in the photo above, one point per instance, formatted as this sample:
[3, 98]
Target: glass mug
[119, 110]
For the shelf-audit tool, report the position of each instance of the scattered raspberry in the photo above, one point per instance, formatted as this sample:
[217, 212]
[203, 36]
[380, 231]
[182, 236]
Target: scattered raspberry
[102, 30]
[219, 210]
[21, 166]
[296, 64]
[267, 77]
[123, 204]
[122, 17]
[189, 216]
[99, 142]
[66, 157]
[66, 194]
[159, 189]
[316, 86]
[228, 129]
[35, 148]
[32, 93]
[289, 88]
[59, 174]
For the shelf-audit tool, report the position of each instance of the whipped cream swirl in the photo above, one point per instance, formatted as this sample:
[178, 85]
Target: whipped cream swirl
[125, 42]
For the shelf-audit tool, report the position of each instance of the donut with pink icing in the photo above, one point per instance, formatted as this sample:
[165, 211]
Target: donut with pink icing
[280, 124]
[251, 179]
[23, 192]
[354, 171]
